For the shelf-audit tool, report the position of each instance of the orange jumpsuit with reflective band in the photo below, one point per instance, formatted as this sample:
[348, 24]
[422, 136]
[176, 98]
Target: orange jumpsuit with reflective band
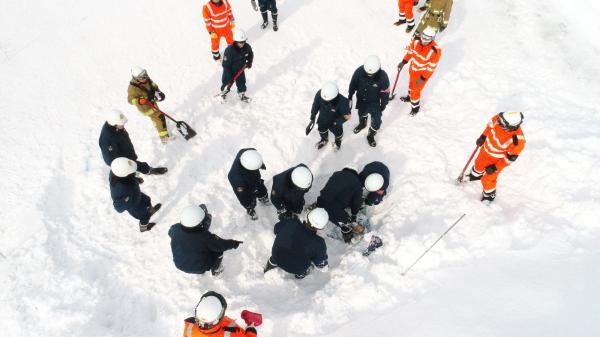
[226, 328]
[218, 20]
[499, 144]
[405, 8]
[424, 60]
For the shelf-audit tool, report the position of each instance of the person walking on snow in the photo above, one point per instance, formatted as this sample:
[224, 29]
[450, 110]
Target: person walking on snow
[144, 93]
[115, 142]
[437, 15]
[195, 249]
[209, 320]
[238, 58]
[424, 55]
[219, 21]
[499, 146]
[372, 87]
[289, 188]
[343, 190]
[267, 5]
[297, 246]
[376, 179]
[405, 10]
[244, 177]
[334, 110]
[126, 194]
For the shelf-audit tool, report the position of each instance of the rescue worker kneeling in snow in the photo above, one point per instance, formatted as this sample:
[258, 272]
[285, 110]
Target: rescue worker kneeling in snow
[195, 249]
[115, 142]
[297, 246]
[210, 320]
[289, 188]
[126, 194]
[246, 182]
[376, 178]
[500, 145]
[144, 93]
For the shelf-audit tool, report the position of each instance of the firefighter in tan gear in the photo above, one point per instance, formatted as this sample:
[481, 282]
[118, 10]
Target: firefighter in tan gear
[144, 93]
[436, 15]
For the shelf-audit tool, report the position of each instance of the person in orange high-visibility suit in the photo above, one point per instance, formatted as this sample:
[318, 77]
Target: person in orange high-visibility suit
[219, 21]
[405, 10]
[424, 55]
[500, 145]
[210, 320]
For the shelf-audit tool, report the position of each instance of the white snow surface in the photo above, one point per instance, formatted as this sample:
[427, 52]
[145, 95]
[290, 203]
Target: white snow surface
[525, 266]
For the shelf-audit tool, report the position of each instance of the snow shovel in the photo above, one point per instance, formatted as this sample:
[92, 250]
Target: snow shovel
[230, 84]
[186, 131]
[251, 318]
[393, 93]
[462, 174]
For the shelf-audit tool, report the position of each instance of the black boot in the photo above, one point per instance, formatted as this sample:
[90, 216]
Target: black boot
[274, 16]
[157, 170]
[399, 22]
[217, 268]
[252, 214]
[155, 209]
[423, 8]
[139, 180]
[338, 143]
[324, 139]
[474, 176]
[265, 18]
[265, 200]
[405, 98]
[414, 110]
[146, 227]
[371, 137]
[488, 196]
[362, 123]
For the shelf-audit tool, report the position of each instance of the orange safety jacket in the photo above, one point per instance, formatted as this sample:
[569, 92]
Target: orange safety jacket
[501, 143]
[217, 18]
[226, 328]
[424, 58]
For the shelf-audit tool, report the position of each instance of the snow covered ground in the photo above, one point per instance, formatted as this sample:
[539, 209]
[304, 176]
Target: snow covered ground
[525, 266]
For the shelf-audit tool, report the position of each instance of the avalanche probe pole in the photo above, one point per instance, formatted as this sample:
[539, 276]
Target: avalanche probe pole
[436, 241]
[393, 93]
[462, 174]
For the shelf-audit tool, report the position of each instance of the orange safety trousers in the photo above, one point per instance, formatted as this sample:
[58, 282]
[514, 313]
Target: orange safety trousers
[483, 160]
[406, 9]
[414, 89]
[221, 33]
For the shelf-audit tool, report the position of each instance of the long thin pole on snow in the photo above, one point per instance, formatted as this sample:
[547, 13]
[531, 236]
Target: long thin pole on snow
[436, 241]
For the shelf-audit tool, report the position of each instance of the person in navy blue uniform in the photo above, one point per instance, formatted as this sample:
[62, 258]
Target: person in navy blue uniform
[344, 189]
[372, 87]
[267, 5]
[126, 194]
[195, 249]
[114, 142]
[369, 173]
[289, 188]
[245, 179]
[237, 56]
[334, 110]
[297, 246]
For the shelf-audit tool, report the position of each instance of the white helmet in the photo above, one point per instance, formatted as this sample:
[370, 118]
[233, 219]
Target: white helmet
[372, 64]
[428, 34]
[239, 35]
[192, 216]
[329, 91]
[116, 117]
[138, 72]
[318, 218]
[302, 177]
[374, 182]
[251, 160]
[122, 167]
[210, 310]
[511, 119]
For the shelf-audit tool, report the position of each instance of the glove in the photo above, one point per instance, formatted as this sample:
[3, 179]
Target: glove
[249, 65]
[490, 169]
[512, 157]
[347, 117]
[382, 107]
[310, 126]
[442, 27]
[253, 2]
[213, 35]
[236, 243]
[157, 170]
[143, 101]
[159, 95]
[232, 24]
[401, 65]
[480, 140]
